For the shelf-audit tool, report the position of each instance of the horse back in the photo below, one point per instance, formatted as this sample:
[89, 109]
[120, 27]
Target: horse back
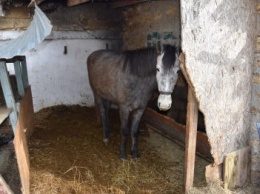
[106, 75]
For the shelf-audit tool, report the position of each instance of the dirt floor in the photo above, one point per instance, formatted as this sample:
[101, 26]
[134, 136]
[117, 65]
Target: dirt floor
[68, 156]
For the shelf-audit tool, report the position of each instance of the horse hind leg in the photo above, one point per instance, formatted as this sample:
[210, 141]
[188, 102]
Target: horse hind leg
[103, 107]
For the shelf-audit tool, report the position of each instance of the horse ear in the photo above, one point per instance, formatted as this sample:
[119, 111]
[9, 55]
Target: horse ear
[159, 48]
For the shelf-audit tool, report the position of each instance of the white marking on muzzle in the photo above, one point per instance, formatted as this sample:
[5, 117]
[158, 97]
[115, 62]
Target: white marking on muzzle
[164, 102]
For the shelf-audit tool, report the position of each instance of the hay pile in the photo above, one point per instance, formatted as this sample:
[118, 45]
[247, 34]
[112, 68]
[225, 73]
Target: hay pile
[67, 155]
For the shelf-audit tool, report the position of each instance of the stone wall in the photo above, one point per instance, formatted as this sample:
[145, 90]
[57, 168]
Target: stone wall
[218, 39]
[255, 109]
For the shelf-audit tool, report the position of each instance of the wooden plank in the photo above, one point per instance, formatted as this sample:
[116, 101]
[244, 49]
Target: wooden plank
[170, 128]
[118, 4]
[236, 168]
[190, 140]
[26, 112]
[4, 187]
[25, 126]
[24, 73]
[214, 173]
[75, 2]
[22, 155]
[4, 113]
[19, 77]
[8, 94]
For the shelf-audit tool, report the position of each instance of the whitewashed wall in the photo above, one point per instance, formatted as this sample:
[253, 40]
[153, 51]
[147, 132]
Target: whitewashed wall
[57, 78]
[218, 39]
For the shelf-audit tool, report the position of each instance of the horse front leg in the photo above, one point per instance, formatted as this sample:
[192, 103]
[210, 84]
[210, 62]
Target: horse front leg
[124, 116]
[136, 117]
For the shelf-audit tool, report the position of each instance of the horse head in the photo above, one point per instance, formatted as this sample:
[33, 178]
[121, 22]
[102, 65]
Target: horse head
[167, 74]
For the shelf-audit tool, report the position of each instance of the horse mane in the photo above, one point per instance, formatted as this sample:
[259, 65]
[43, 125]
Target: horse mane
[169, 55]
[142, 62]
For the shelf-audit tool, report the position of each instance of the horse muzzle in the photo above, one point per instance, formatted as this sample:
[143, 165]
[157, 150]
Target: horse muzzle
[164, 101]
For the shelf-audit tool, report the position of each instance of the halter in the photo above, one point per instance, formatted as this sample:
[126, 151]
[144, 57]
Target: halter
[165, 93]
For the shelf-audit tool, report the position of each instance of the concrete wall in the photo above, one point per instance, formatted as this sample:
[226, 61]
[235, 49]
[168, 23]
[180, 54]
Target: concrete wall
[57, 77]
[88, 16]
[255, 109]
[218, 40]
[146, 23]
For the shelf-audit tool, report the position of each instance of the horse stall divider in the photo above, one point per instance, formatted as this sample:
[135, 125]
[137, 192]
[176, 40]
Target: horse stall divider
[24, 128]
[191, 131]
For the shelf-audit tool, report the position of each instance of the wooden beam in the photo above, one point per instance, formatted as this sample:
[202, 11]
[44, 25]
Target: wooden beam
[168, 127]
[214, 173]
[191, 130]
[124, 3]
[19, 77]
[8, 93]
[24, 127]
[190, 140]
[76, 2]
[236, 168]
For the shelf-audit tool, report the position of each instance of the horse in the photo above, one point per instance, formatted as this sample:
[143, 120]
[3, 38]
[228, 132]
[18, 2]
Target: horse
[129, 79]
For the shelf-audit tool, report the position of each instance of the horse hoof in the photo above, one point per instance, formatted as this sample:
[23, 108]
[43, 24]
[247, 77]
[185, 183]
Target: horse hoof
[105, 140]
[123, 157]
[135, 156]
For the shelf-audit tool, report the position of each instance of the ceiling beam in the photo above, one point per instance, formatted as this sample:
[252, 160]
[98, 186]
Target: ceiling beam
[117, 4]
[75, 2]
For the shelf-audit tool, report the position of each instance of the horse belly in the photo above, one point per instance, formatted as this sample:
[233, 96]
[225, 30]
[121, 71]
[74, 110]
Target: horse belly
[106, 76]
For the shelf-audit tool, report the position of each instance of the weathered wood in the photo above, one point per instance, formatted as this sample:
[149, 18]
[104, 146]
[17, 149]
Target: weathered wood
[118, 4]
[24, 73]
[213, 173]
[8, 93]
[4, 187]
[19, 77]
[236, 168]
[176, 132]
[190, 140]
[76, 2]
[25, 126]
[4, 113]
[26, 112]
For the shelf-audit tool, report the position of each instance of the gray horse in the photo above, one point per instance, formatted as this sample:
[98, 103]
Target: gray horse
[129, 79]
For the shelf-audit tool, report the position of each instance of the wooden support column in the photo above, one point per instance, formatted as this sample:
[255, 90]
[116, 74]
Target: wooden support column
[24, 73]
[8, 94]
[191, 131]
[19, 77]
[190, 140]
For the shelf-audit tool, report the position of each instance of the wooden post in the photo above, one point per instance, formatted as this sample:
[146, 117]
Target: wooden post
[190, 140]
[8, 94]
[191, 131]
[24, 73]
[236, 169]
[19, 77]
[24, 128]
